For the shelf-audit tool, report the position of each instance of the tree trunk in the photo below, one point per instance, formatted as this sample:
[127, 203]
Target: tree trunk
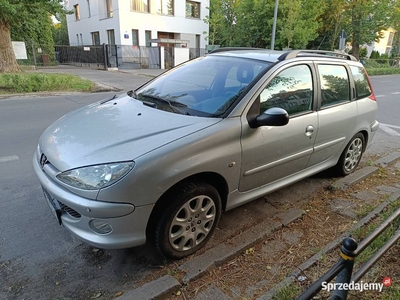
[356, 49]
[8, 63]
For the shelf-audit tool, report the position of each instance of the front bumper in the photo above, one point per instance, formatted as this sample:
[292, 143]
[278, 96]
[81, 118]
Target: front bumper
[128, 222]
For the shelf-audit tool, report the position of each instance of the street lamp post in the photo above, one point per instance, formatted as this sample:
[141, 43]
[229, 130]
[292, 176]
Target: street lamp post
[274, 24]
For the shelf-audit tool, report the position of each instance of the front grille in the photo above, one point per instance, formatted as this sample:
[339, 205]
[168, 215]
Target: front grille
[73, 213]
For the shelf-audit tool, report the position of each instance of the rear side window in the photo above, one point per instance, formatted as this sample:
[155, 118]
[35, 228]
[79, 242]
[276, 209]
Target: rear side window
[363, 89]
[335, 84]
[291, 90]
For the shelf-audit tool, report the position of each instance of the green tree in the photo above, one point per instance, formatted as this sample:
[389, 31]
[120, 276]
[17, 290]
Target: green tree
[365, 20]
[395, 23]
[24, 19]
[60, 30]
[299, 22]
[331, 21]
[254, 23]
[222, 21]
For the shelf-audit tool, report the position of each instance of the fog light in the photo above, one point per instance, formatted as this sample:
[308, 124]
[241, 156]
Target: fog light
[100, 227]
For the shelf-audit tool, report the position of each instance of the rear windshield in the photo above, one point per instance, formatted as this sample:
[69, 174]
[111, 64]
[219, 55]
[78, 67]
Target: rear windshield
[363, 88]
[207, 86]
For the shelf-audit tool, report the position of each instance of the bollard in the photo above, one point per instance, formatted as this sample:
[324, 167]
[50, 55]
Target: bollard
[347, 255]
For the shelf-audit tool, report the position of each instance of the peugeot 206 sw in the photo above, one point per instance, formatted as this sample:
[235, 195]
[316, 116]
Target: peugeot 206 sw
[162, 162]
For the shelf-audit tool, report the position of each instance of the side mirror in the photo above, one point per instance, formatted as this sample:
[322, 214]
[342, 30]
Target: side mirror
[274, 116]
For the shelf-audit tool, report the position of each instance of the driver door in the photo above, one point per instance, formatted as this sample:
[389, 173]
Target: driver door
[272, 153]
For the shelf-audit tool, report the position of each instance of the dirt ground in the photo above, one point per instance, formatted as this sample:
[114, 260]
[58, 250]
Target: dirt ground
[329, 214]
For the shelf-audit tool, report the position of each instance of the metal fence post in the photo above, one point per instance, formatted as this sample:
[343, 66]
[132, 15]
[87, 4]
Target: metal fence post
[33, 52]
[348, 255]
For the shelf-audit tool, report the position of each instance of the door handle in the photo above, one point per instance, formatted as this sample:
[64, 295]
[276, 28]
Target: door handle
[309, 130]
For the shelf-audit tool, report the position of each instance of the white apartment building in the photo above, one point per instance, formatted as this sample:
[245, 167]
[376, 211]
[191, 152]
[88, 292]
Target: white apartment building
[170, 23]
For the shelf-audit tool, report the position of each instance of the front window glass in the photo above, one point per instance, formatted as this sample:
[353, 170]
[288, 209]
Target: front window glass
[291, 90]
[207, 86]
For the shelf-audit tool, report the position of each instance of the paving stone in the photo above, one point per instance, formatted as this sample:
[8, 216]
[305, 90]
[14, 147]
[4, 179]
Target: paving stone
[344, 207]
[153, 289]
[292, 237]
[388, 159]
[366, 196]
[353, 178]
[290, 215]
[270, 247]
[250, 290]
[389, 189]
[212, 293]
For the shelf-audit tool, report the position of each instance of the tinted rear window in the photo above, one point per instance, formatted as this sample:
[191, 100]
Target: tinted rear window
[363, 89]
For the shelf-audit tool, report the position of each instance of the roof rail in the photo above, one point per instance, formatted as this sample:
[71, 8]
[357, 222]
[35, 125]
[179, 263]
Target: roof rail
[224, 49]
[332, 54]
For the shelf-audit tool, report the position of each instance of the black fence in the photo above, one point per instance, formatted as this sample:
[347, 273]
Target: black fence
[91, 56]
[105, 56]
[344, 268]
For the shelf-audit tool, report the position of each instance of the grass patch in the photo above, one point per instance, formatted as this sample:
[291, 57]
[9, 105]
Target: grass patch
[383, 71]
[287, 293]
[381, 240]
[39, 82]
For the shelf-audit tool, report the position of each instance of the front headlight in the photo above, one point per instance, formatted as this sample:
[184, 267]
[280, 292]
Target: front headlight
[95, 177]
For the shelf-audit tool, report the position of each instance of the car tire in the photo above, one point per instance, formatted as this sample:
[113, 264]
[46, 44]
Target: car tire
[189, 220]
[351, 155]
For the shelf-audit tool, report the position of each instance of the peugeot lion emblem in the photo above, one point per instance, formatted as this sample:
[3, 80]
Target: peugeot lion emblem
[43, 160]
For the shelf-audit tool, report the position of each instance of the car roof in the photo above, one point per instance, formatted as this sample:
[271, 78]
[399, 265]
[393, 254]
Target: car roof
[275, 55]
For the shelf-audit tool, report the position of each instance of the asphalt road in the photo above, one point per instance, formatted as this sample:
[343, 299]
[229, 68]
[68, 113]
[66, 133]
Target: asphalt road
[40, 260]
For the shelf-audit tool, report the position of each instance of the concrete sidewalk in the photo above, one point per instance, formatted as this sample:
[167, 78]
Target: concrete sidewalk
[120, 80]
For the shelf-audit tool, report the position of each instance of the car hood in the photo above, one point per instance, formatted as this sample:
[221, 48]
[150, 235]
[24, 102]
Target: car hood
[119, 130]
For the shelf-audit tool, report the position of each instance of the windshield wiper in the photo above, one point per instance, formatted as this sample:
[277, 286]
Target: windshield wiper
[106, 100]
[171, 103]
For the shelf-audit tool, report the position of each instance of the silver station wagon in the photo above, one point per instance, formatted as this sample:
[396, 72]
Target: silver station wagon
[161, 163]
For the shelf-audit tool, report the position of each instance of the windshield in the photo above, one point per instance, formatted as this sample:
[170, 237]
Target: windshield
[207, 86]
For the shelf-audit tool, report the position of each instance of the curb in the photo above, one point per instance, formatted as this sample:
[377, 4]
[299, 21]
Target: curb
[199, 265]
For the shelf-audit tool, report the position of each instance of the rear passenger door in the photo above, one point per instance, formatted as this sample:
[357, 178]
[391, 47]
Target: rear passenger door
[337, 113]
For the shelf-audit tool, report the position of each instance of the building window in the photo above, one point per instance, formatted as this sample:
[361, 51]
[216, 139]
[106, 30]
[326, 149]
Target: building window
[165, 7]
[390, 39]
[192, 9]
[81, 38]
[77, 13]
[111, 37]
[105, 9]
[88, 4]
[77, 39]
[96, 38]
[135, 38]
[148, 38]
[140, 5]
[109, 8]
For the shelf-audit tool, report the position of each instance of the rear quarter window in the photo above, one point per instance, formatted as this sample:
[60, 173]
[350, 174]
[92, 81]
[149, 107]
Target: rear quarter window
[363, 88]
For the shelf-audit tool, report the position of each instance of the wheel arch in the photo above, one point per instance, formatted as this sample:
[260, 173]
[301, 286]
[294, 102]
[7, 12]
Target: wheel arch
[365, 134]
[212, 178]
